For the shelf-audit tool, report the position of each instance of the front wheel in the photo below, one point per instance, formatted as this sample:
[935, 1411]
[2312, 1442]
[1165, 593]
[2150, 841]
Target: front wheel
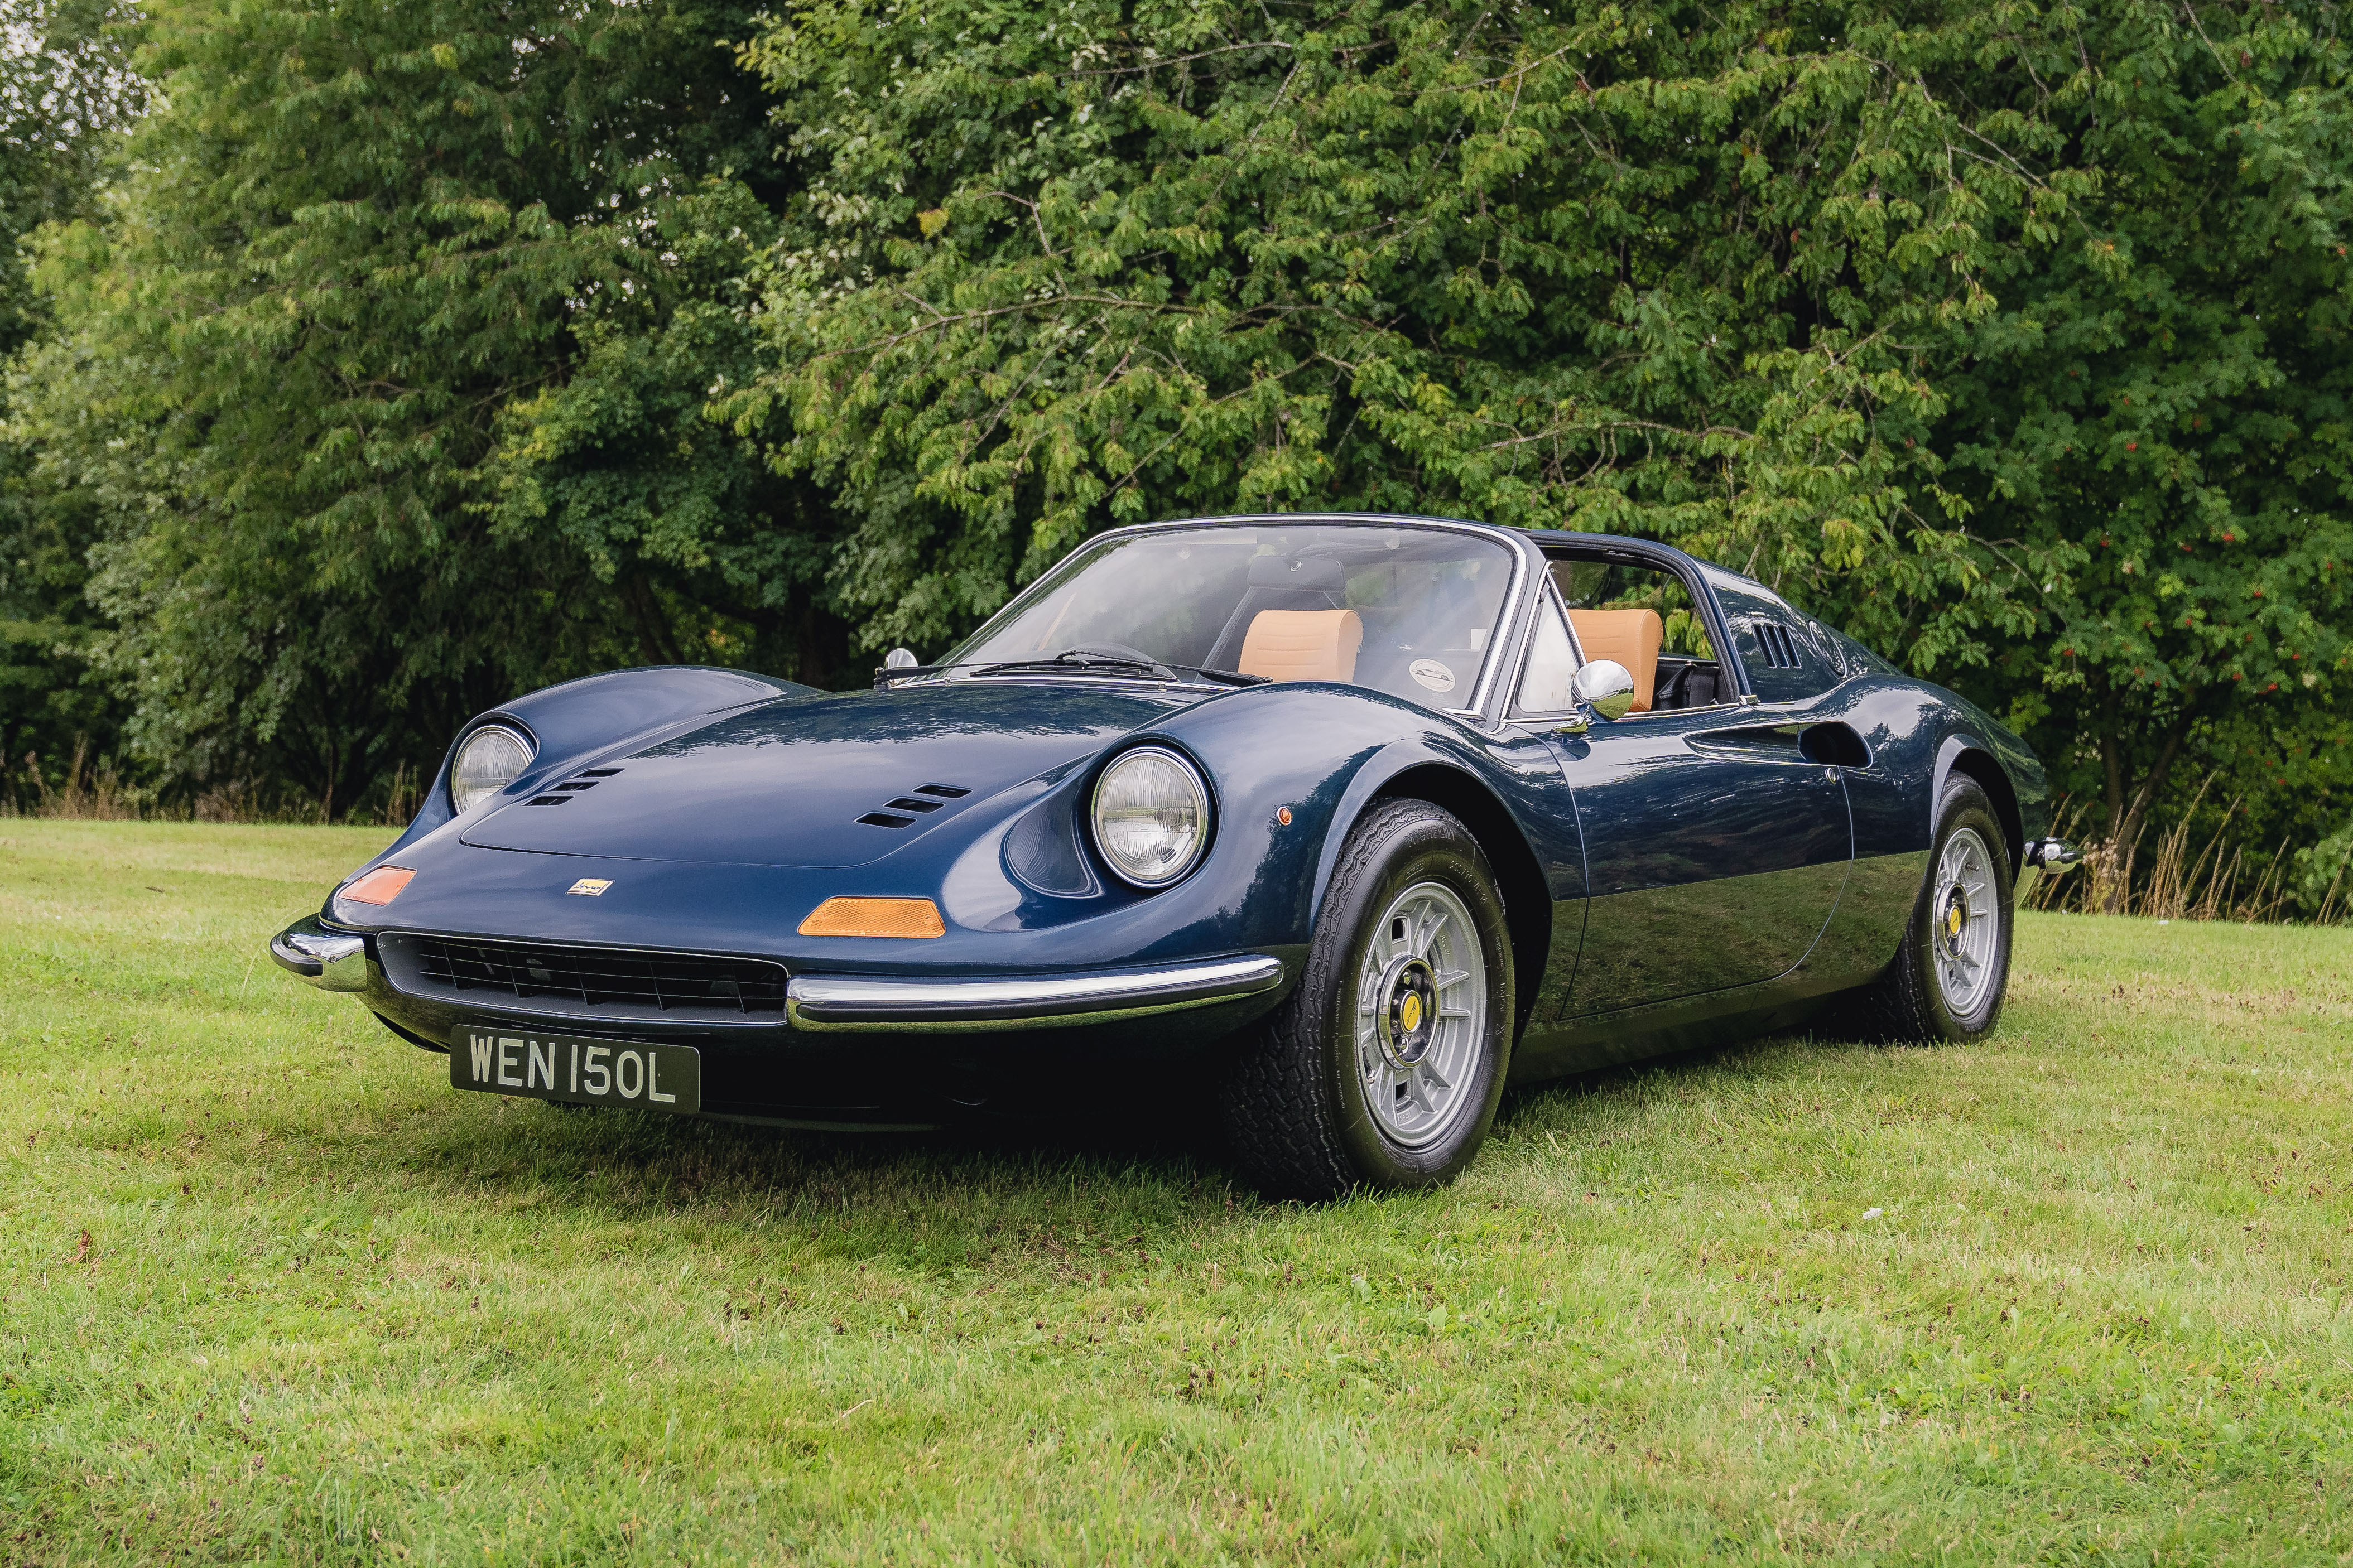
[1383, 1068]
[1953, 970]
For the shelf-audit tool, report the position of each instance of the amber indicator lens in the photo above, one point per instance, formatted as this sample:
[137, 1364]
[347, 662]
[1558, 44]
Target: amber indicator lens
[874, 916]
[380, 886]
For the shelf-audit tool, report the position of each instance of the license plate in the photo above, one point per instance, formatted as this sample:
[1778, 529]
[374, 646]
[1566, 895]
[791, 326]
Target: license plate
[590, 1072]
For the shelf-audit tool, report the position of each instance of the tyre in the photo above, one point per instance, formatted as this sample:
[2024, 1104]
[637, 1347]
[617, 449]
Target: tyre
[1383, 1068]
[1953, 969]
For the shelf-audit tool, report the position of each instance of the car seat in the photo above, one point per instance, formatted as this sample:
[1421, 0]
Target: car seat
[1632, 637]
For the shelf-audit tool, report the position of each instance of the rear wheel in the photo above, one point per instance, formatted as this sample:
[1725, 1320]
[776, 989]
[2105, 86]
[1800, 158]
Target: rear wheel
[1953, 970]
[1384, 1067]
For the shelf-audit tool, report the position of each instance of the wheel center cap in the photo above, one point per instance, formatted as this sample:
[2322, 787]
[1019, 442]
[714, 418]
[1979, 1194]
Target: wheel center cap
[1955, 919]
[1408, 1020]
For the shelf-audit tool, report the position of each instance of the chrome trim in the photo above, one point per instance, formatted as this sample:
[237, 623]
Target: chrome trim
[1201, 841]
[840, 1002]
[1506, 626]
[330, 960]
[2053, 855]
[511, 729]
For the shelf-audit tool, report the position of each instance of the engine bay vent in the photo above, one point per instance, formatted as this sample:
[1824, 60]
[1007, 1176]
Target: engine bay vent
[586, 779]
[917, 803]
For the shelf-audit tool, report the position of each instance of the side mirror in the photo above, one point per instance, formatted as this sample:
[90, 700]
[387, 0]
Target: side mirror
[900, 659]
[1605, 686]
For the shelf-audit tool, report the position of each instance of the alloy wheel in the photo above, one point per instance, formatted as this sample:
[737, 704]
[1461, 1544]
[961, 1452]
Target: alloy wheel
[1421, 1013]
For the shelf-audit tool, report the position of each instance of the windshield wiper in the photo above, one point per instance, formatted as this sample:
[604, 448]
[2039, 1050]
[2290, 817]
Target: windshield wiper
[1077, 662]
[1226, 677]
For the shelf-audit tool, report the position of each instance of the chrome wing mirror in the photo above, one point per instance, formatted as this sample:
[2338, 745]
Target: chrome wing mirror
[1605, 686]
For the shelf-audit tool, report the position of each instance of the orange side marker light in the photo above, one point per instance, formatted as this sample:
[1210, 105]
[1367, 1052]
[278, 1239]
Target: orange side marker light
[874, 916]
[380, 886]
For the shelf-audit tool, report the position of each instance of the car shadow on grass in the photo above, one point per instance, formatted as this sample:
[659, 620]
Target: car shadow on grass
[1117, 1175]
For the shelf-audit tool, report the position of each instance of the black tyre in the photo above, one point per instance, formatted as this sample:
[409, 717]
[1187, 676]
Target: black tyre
[1383, 1068]
[1951, 972]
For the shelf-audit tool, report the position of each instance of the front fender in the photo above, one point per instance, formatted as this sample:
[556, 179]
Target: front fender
[1326, 753]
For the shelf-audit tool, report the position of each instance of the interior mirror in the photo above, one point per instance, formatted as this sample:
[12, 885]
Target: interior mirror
[1604, 685]
[900, 659]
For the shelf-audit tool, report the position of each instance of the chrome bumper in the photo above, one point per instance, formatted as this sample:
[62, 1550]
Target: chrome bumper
[330, 960]
[2045, 857]
[835, 1002]
[2052, 855]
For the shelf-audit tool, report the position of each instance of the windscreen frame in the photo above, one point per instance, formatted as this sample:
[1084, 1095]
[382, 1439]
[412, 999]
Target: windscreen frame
[1511, 614]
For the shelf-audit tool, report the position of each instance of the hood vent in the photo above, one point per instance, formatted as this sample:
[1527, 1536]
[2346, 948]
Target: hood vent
[584, 780]
[922, 801]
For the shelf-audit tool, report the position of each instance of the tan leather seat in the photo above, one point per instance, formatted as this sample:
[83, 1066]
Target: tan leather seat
[1303, 645]
[1630, 636]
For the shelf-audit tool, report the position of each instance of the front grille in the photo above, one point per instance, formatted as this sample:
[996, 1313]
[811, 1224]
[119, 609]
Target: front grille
[601, 981]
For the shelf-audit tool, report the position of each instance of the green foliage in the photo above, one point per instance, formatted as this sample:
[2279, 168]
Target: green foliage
[64, 85]
[1658, 271]
[349, 241]
[2159, 404]
[2012, 342]
[419, 354]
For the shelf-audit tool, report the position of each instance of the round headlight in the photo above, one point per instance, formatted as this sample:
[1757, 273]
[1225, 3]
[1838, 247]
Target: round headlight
[1152, 815]
[493, 758]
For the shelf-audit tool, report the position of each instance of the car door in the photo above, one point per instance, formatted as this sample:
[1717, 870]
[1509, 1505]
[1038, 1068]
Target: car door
[1714, 848]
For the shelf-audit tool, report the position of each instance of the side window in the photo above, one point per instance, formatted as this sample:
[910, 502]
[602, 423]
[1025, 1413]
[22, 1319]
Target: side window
[1552, 660]
[1646, 618]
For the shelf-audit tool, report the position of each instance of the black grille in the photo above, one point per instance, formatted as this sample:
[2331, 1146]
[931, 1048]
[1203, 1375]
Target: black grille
[599, 980]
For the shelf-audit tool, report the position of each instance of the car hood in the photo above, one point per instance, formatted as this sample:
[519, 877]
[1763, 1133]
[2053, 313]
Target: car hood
[785, 783]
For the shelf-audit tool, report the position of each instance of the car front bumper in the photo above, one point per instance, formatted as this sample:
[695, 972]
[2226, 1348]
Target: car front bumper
[336, 960]
[2045, 857]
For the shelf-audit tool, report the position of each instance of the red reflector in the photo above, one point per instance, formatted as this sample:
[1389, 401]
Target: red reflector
[380, 886]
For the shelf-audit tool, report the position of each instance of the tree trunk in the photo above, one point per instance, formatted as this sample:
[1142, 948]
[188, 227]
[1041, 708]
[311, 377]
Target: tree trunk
[2128, 814]
[653, 635]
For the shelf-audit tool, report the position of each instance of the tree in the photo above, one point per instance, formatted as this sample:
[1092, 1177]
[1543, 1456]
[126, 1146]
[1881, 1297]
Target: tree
[2010, 341]
[64, 89]
[2161, 406]
[351, 241]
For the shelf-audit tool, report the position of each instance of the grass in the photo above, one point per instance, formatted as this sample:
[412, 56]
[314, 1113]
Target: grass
[268, 1289]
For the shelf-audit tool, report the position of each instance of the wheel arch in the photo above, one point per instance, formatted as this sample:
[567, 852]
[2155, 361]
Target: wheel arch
[1969, 756]
[1527, 901]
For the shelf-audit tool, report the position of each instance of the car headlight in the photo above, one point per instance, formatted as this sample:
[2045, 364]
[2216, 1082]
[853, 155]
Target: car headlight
[1151, 815]
[493, 758]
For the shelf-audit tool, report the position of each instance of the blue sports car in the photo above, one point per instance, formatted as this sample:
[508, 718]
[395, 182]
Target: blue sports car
[1331, 826]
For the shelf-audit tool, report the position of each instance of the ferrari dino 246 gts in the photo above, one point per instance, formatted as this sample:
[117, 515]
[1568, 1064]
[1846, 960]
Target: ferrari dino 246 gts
[1332, 825]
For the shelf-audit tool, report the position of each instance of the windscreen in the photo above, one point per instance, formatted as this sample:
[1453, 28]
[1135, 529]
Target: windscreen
[1408, 611]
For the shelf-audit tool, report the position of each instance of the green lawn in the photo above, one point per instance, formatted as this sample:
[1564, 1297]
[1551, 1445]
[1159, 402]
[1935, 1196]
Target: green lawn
[269, 1290]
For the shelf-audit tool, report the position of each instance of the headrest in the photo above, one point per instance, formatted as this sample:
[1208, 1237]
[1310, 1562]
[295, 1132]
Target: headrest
[1303, 645]
[1632, 637]
[1316, 574]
